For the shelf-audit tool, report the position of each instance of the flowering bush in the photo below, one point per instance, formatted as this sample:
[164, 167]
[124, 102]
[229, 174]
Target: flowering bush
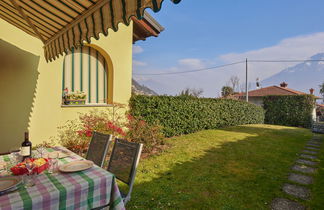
[101, 123]
[141, 132]
[76, 135]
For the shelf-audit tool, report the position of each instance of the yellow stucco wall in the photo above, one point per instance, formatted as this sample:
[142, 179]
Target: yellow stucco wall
[30, 88]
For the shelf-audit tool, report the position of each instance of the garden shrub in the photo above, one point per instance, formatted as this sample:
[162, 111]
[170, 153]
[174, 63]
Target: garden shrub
[149, 135]
[182, 115]
[290, 110]
[75, 135]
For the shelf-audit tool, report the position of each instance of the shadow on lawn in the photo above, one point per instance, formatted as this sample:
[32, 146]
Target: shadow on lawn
[244, 173]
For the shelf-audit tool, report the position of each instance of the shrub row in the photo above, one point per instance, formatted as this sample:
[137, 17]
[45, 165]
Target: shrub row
[292, 110]
[182, 115]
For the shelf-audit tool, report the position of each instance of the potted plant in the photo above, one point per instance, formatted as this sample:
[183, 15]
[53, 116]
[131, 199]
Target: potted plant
[74, 98]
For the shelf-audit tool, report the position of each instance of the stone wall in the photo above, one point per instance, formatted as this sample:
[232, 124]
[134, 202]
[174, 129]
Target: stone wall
[318, 127]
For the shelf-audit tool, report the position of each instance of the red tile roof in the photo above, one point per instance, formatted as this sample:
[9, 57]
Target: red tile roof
[272, 90]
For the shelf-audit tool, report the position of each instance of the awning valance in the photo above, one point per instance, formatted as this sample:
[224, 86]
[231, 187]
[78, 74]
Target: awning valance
[63, 24]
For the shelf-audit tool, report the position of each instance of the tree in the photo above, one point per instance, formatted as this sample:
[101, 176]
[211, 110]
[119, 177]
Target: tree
[243, 88]
[234, 82]
[227, 91]
[322, 90]
[191, 92]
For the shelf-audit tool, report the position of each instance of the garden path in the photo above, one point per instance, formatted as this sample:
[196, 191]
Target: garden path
[300, 178]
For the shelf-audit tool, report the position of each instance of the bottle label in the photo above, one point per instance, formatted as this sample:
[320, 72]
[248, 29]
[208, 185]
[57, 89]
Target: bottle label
[25, 151]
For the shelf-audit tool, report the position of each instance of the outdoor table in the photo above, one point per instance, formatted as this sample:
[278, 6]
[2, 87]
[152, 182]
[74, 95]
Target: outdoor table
[86, 189]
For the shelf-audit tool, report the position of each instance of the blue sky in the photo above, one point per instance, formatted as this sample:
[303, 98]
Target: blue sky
[201, 35]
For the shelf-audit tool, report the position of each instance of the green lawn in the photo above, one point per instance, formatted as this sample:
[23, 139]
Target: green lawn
[317, 201]
[241, 167]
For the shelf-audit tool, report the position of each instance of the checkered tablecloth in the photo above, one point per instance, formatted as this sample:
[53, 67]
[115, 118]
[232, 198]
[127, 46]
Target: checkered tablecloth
[80, 190]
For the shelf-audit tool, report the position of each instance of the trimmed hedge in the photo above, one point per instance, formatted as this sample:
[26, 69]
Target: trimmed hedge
[291, 110]
[182, 115]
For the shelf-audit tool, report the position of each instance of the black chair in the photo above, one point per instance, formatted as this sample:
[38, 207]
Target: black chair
[123, 163]
[98, 148]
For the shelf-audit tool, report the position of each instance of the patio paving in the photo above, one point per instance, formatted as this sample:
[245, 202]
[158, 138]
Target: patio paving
[304, 169]
[300, 179]
[297, 191]
[285, 204]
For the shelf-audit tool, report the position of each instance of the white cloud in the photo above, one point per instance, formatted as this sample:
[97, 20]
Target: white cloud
[137, 49]
[191, 63]
[300, 47]
[137, 63]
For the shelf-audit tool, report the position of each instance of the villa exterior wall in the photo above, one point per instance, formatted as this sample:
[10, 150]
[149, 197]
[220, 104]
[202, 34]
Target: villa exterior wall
[31, 88]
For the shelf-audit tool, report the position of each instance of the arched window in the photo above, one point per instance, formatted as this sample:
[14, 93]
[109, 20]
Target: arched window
[85, 77]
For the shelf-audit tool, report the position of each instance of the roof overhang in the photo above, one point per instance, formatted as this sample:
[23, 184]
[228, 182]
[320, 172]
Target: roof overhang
[146, 27]
[64, 24]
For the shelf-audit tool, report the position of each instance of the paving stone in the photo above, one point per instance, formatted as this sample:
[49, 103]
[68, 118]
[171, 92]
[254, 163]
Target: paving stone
[310, 152]
[316, 140]
[306, 162]
[308, 156]
[311, 148]
[313, 145]
[304, 169]
[301, 179]
[297, 191]
[285, 204]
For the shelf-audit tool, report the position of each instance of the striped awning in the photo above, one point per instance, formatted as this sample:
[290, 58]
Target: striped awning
[66, 24]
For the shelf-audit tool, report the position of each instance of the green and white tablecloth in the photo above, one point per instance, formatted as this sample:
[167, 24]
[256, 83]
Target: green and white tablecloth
[87, 189]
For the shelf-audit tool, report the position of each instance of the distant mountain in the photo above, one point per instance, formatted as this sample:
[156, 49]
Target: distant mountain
[141, 89]
[302, 76]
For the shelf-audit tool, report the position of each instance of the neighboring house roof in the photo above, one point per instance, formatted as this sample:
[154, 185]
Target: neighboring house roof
[272, 90]
[145, 27]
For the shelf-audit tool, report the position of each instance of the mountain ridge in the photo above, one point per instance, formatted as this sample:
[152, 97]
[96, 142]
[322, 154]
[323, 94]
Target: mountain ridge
[139, 89]
[302, 76]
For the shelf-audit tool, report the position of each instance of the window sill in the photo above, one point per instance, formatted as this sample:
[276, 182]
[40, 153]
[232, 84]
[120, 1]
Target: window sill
[87, 105]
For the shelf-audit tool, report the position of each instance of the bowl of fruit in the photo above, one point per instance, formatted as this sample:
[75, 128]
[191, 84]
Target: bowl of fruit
[40, 165]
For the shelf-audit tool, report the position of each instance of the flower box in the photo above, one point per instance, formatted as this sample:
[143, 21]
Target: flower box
[74, 98]
[74, 101]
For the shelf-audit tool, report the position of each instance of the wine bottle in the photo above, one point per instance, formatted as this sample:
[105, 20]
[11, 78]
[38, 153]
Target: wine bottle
[26, 147]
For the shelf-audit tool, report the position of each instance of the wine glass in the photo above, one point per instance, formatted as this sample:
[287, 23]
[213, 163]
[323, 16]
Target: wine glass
[41, 150]
[30, 176]
[15, 156]
[53, 162]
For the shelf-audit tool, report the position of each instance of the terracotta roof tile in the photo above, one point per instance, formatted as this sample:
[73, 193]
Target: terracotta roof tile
[272, 90]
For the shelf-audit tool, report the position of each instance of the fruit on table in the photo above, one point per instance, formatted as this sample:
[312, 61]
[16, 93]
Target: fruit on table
[41, 164]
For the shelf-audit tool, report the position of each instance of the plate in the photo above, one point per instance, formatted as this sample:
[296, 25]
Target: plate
[9, 182]
[75, 166]
[58, 154]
